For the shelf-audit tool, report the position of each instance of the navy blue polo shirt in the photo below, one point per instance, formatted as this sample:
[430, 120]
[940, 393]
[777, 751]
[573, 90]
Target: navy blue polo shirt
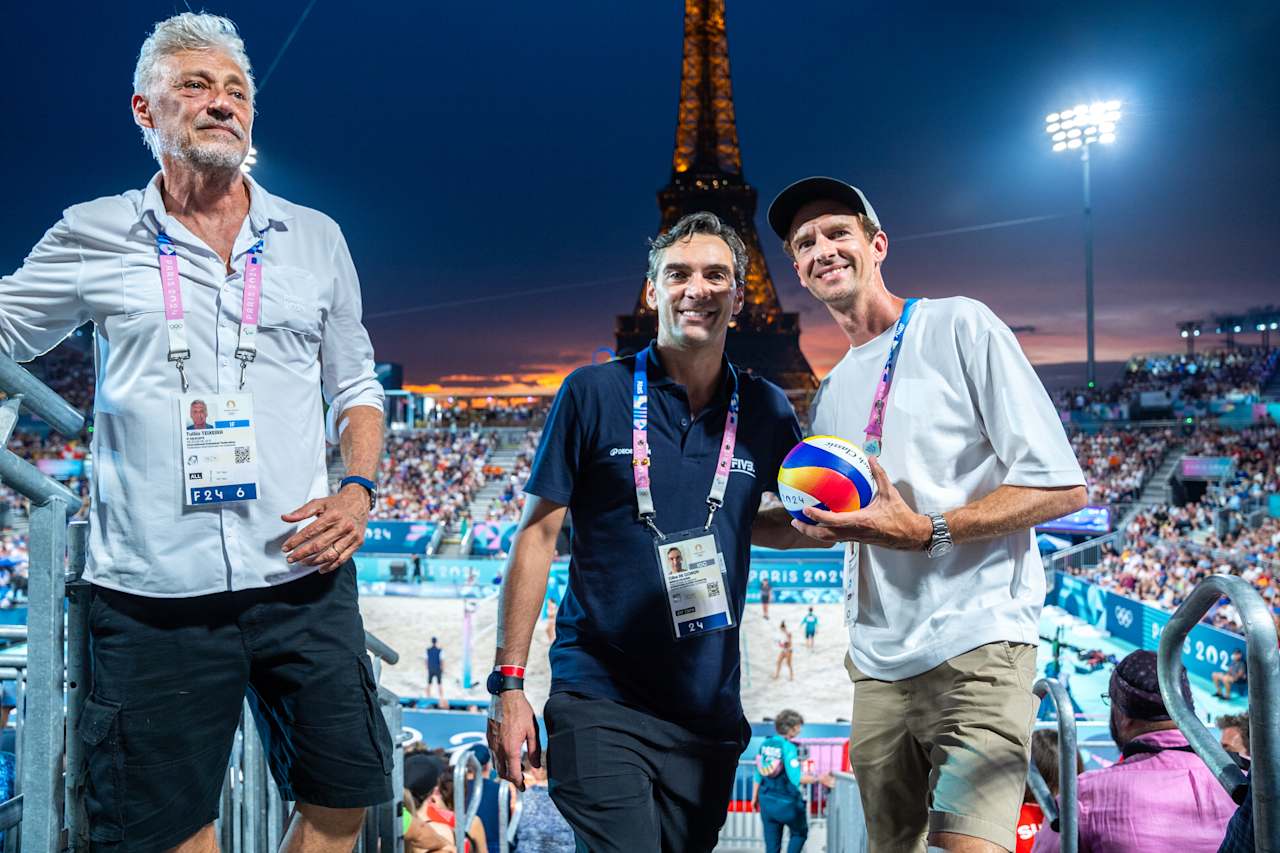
[614, 638]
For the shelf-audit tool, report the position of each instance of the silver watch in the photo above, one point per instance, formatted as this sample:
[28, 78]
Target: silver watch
[940, 543]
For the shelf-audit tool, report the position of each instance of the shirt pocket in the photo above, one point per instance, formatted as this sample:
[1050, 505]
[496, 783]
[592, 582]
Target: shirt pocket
[140, 291]
[289, 302]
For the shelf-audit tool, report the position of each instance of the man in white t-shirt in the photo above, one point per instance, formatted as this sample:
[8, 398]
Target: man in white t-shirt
[943, 580]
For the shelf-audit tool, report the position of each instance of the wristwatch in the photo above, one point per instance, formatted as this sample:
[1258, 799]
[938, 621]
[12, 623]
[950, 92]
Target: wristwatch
[502, 679]
[940, 543]
[367, 485]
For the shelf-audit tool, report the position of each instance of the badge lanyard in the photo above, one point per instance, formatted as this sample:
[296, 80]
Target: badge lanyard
[875, 422]
[175, 319]
[640, 447]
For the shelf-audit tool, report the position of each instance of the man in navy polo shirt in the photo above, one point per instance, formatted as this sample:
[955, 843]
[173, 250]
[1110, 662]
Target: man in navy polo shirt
[672, 448]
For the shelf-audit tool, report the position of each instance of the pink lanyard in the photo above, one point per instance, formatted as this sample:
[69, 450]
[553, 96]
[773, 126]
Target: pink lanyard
[175, 318]
[640, 447]
[875, 422]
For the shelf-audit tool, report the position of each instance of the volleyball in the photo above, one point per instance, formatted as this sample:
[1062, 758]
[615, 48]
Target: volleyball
[825, 472]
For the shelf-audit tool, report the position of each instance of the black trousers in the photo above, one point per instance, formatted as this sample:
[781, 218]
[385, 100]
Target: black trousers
[628, 781]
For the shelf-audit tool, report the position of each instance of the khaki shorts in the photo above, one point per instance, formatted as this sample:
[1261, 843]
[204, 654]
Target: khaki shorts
[946, 750]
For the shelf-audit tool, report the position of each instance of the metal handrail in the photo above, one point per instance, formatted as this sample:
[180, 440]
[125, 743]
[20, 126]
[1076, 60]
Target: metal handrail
[39, 398]
[508, 821]
[1063, 821]
[462, 817]
[381, 649]
[1264, 700]
[27, 480]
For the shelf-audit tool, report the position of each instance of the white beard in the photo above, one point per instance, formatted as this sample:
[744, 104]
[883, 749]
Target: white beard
[207, 155]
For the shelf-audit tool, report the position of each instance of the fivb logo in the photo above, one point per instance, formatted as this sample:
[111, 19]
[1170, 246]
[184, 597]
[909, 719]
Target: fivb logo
[743, 466]
[1124, 616]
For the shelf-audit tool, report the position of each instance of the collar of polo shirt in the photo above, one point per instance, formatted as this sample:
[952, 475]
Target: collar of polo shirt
[658, 374]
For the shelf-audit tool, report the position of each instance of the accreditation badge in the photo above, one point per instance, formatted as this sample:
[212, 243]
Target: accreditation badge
[693, 574]
[849, 576]
[219, 448]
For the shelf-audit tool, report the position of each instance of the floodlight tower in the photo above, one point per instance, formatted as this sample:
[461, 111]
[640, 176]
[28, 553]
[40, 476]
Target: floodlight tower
[1074, 128]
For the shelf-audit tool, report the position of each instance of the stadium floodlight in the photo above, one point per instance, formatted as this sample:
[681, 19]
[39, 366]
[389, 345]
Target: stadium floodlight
[250, 160]
[1085, 124]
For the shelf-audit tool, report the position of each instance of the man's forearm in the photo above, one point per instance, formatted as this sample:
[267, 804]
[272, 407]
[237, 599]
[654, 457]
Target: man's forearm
[523, 591]
[361, 441]
[1010, 509]
[772, 527]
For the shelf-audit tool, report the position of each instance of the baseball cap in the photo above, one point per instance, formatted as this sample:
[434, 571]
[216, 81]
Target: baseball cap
[784, 208]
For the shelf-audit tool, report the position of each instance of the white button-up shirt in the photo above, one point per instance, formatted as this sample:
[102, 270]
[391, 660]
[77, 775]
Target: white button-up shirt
[99, 263]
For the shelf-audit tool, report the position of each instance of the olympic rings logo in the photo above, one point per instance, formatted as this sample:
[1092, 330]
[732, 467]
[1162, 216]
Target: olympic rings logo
[1124, 616]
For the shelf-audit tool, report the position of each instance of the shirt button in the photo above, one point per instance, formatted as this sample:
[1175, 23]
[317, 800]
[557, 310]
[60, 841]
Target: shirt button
[684, 422]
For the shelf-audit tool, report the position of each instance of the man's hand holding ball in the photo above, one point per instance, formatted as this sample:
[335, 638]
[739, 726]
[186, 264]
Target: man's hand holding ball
[839, 494]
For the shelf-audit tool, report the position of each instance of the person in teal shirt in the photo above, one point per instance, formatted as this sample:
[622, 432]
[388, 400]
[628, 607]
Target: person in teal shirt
[778, 782]
[810, 624]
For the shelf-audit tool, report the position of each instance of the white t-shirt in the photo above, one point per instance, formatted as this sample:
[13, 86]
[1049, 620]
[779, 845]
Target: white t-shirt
[966, 414]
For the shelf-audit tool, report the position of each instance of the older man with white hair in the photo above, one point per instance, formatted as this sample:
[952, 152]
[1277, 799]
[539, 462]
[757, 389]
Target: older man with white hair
[220, 563]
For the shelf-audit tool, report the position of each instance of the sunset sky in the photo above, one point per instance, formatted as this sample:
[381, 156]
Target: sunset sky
[495, 173]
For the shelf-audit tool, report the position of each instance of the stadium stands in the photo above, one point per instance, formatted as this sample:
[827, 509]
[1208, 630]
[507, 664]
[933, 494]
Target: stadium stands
[1118, 462]
[1191, 382]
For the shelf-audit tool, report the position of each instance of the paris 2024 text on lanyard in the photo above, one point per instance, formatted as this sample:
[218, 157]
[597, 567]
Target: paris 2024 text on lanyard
[219, 448]
[874, 437]
[690, 562]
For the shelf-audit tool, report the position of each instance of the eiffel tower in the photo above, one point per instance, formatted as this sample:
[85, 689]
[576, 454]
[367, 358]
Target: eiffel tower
[706, 174]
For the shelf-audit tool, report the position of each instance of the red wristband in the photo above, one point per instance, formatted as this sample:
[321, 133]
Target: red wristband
[511, 669]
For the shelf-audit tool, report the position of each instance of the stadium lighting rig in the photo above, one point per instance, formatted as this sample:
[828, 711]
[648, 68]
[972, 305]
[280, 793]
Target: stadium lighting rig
[1077, 128]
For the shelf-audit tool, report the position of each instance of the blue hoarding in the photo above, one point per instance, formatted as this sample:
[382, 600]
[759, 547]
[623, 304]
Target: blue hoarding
[1206, 649]
[397, 537]
[1094, 520]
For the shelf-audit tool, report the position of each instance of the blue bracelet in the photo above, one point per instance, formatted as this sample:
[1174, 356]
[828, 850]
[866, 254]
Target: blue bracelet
[367, 485]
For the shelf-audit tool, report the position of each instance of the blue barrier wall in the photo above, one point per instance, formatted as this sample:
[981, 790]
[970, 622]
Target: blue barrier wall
[1205, 651]
[398, 537]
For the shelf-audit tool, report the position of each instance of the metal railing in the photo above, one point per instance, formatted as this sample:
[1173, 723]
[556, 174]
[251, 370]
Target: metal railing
[742, 823]
[508, 820]
[45, 802]
[254, 819]
[464, 809]
[1264, 700]
[846, 821]
[1062, 821]
[1083, 555]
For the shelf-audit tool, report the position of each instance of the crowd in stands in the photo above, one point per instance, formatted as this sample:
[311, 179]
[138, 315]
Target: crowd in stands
[1118, 463]
[432, 801]
[1161, 797]
[509, 504]
[432, 475]
[1191, 381]
[13, 569]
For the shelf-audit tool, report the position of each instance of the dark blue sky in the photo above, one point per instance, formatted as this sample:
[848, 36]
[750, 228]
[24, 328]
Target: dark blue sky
[476, 152]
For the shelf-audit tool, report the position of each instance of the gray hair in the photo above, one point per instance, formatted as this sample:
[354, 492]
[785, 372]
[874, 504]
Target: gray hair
[787, 720]
[699, 223]
[187, 31]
